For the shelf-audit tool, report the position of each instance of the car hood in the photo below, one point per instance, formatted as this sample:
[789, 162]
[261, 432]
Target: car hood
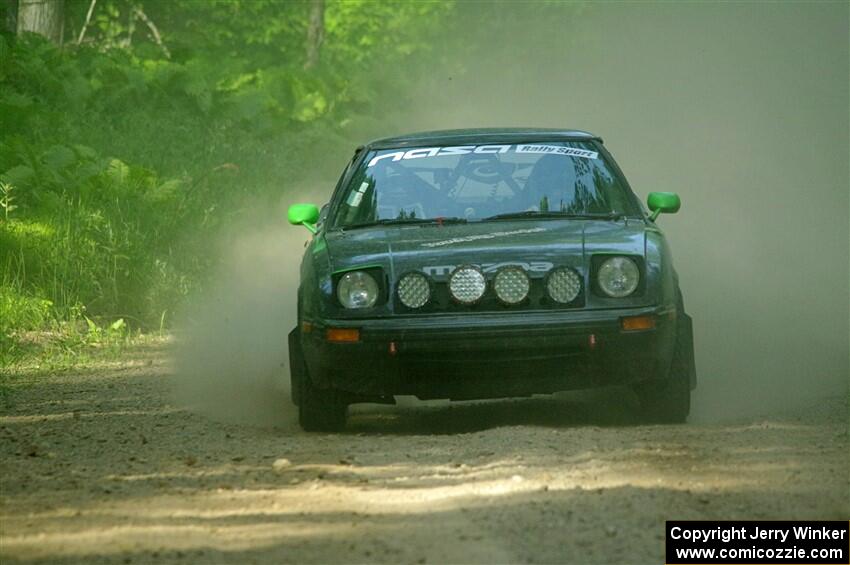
[436, 250]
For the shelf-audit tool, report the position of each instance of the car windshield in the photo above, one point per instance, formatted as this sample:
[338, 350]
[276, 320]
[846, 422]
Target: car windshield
[482, 183]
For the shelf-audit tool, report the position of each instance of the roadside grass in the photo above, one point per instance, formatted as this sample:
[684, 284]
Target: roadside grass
[27, 355]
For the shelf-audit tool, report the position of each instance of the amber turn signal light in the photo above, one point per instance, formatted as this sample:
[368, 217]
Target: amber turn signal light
[342, 335]
[635, 323]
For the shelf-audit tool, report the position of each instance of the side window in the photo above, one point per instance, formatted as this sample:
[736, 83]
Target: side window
[347, 168]
[323, 213]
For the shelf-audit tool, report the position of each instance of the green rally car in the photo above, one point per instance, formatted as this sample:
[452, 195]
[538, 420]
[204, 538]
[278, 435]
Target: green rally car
[487, 263]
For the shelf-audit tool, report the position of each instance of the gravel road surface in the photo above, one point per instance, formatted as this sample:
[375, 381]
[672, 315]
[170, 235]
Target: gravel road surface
[102, 466]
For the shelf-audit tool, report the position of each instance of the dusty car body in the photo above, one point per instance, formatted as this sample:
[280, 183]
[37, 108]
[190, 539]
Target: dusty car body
[487, 263]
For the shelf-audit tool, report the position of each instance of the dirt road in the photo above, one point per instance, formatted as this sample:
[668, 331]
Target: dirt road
[102, 466]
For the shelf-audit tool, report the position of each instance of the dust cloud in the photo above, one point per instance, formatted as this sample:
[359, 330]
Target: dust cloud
[740, 108]
[231, 353]
[743, 110]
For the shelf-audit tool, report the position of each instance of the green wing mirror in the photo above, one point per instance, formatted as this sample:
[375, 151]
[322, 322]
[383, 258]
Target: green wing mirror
[304, 214]
[663, 203]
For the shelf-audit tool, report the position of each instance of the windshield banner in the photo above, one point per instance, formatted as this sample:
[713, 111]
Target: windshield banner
[425, 152]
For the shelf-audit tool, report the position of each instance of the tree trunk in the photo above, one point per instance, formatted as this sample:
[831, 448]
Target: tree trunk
[11, 13]
[315, 32]
[43, 17]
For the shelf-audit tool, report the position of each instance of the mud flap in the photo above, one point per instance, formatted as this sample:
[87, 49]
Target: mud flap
[296, 365]
[686, 335]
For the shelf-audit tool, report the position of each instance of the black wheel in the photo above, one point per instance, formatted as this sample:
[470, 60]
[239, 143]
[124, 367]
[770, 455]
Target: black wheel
[320, 410]
[669, 401]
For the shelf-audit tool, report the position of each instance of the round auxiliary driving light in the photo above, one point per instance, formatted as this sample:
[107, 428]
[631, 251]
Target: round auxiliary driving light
[467, 284]
[618, 277]
[563, 285]
[357, 289]
[511, 285]
[414, 290]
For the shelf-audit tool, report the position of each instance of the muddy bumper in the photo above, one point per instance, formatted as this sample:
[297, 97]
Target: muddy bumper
[486, 355]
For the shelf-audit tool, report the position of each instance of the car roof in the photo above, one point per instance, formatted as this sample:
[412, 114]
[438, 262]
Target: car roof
[477, 135]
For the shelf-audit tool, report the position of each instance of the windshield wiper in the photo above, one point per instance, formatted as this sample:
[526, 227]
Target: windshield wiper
[553, 214]
[406, 221]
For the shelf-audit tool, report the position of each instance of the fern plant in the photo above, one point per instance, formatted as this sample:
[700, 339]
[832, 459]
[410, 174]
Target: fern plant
[6, 199]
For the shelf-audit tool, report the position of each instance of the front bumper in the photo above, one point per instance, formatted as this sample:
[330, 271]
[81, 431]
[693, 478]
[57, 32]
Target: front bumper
[488, 355]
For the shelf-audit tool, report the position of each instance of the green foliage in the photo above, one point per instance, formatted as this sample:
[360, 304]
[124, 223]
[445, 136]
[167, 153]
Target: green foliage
[123, 157]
